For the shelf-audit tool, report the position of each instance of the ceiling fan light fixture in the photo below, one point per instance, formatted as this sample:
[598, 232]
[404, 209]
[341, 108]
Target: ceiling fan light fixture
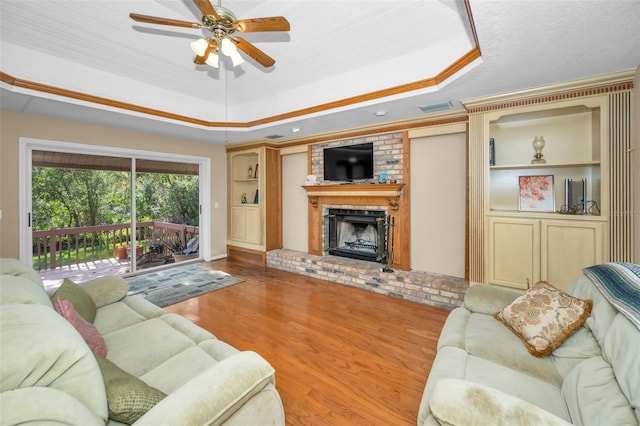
[199, 46]
[236, 59]
[228, 48]
[212, 60]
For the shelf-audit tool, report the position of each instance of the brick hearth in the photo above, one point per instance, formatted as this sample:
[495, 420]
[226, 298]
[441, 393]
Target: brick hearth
[423, 287]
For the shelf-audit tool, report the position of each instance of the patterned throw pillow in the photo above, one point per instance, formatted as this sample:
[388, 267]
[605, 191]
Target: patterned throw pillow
[544, 317]
[79, 298]
[88, 331]
[128, 397]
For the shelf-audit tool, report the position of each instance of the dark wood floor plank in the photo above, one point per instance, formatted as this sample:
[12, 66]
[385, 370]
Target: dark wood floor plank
[343, 355]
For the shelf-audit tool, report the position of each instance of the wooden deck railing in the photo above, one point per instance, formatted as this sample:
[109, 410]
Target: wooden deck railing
[58, 247]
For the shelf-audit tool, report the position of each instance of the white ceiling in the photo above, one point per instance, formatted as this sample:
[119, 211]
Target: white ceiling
[335, 50]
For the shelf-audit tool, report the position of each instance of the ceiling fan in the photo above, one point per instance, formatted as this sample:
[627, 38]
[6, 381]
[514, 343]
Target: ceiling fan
[222, 23]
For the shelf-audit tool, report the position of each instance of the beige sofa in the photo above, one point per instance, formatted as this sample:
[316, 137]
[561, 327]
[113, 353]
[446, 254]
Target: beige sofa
[484, 375]
[49, 375]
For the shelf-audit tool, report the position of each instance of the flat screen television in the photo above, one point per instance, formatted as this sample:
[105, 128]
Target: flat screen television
[349, 163]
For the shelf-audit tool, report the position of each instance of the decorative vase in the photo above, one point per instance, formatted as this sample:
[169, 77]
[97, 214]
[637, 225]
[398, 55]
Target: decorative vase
[250, 172]
[538, 145]
[383, 177]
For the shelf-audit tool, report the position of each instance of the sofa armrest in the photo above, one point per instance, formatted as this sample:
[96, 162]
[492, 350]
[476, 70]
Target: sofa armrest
[43, 405]
[214, 395]
[488, 299]
[460, 402]
[106, 290]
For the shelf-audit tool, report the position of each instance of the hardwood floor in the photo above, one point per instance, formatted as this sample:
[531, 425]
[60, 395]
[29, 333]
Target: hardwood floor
[343, 355]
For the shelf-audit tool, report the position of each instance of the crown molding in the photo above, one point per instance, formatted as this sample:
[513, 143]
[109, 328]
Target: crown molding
[566, 90]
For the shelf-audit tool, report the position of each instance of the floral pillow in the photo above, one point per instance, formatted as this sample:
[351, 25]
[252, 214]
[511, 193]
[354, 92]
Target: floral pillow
[544, 317]
[88, 331]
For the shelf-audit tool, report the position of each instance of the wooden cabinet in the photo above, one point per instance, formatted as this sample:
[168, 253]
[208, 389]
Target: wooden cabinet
[583, 124]
[245, 224]
[540, 232]
[523, 251]
[513, 252]
[255, 202]
[569, 246]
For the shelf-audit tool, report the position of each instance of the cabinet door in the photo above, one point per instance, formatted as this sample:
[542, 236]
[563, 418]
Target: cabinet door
[252, 225]
[245, 224]
[238, 223]
[514, 252]
[567, 248]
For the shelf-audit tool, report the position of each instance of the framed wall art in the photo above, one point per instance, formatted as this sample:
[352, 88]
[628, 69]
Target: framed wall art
[536, 193]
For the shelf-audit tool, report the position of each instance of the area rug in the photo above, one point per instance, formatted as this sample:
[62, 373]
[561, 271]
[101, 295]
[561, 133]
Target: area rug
[174, 285]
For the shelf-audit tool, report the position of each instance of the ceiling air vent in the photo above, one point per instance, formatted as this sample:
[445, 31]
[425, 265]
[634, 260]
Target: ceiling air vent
[436, 107]
[274, 136]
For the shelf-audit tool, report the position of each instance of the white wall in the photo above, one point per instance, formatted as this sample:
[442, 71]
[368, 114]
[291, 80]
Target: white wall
[16, 125]
[294, 201]
[438, 203]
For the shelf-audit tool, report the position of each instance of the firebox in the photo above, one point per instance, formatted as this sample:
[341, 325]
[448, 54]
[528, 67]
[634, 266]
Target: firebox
[358, 234]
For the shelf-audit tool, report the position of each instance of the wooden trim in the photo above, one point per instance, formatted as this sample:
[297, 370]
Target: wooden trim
[462, 62]
[448, 72]
[405, 218]
[388, 195]
[273, 202]
[44, 88]
[348, 190]
[241, 254]
[563, 91]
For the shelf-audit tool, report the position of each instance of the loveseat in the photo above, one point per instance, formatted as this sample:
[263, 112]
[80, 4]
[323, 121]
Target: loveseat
[150, 368]
[483, 373]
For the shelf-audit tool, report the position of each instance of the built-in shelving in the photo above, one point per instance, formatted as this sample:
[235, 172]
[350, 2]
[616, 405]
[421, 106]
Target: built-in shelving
[254, 226]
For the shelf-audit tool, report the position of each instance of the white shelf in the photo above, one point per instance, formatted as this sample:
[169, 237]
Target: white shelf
[544, 165]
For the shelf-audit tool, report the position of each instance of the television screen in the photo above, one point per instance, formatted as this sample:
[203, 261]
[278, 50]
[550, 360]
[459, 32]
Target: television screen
[349, 163]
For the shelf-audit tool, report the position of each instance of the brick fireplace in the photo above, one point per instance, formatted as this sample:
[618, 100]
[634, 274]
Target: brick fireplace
[382, 197]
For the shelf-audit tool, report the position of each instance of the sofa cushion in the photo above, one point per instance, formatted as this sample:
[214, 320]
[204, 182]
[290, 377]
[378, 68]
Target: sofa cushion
[54, 407]
[578, 347]
[593, 396]
[16, 268]
[142, 347]
[18, 289]
[79, 298]
[544, 317]
[53, 356]
[621, 351]
[602, 313]
[487, 338]
[128, 397]
[452, 362]
[487, 299]
[459, 402]
[106, 290]
[87, 330]
[124, 313]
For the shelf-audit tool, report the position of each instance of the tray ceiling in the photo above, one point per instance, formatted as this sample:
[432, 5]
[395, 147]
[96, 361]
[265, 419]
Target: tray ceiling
[342, 61]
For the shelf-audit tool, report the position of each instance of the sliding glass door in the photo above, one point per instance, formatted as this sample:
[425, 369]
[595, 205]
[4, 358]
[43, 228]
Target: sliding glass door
[92, 214]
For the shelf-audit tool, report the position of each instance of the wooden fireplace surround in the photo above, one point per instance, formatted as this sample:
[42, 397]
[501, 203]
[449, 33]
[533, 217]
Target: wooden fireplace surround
[368, 196]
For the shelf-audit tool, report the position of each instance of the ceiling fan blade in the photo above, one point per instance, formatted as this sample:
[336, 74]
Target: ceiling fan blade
[274, 23]
[206, 8]
[163, 21]
[253, 52]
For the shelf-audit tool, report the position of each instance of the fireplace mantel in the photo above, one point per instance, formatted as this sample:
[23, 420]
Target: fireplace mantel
[388, 195]
[346, 190]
